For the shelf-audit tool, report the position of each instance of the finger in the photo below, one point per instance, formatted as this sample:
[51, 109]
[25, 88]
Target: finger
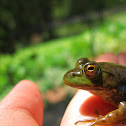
[121, 59]
[72, 113]
[83, 106]
[109, 57]
[23, 106]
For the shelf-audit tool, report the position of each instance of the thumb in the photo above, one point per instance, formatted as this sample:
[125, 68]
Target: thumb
[23, 106]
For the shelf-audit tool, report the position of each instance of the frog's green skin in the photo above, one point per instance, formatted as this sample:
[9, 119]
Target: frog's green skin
[110, 85]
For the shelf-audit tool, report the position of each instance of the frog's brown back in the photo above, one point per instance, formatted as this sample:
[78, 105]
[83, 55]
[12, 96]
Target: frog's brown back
[117, 70]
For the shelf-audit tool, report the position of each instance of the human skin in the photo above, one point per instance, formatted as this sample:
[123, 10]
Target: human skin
[84, 104]
[23, 106]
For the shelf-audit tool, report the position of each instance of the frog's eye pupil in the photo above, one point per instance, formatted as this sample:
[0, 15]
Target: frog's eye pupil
[91, 69]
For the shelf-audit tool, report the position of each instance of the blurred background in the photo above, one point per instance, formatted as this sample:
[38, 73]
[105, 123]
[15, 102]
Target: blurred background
[41, 40]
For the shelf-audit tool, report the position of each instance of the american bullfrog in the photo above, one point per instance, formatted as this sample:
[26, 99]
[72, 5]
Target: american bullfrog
[104, 79]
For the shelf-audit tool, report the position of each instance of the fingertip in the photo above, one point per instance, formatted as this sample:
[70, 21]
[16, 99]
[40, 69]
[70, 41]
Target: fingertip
[26, 89]
[27, 84]
[108, 57]
[121, 58]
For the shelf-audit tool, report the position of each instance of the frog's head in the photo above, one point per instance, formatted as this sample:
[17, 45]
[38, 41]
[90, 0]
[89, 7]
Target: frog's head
[86, 75]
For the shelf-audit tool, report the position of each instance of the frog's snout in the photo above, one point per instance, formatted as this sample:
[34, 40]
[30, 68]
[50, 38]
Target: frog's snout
[71, 75]
[68, 77]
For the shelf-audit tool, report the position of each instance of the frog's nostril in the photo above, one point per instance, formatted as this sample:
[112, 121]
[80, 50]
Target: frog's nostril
[72, 74]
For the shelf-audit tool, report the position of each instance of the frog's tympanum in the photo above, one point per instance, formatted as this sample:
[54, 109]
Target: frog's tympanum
[106, 80]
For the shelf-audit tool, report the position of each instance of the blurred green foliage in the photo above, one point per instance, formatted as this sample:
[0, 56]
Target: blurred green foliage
[46, 63]
[20, 20]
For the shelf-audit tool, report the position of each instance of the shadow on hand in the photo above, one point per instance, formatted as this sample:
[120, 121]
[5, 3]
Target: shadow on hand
[93, 104]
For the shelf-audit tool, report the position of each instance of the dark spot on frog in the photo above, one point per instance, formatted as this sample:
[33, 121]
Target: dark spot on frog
[72, 74]
[122, 88]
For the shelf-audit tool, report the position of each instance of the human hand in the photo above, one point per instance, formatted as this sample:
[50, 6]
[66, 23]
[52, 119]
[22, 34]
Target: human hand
[84, 104]
[23, 106]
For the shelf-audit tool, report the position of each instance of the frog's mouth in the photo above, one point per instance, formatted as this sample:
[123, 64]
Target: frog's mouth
[85, 87]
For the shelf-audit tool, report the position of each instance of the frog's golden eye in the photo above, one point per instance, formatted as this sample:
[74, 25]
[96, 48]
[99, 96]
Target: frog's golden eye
[91, 69]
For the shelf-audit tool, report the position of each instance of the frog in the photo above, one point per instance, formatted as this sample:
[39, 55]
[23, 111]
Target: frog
[105, 80]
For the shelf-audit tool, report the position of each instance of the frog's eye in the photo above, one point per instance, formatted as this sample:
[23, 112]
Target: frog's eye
[91, 69]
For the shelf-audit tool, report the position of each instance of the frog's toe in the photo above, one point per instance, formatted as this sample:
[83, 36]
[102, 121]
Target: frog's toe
[92, 121]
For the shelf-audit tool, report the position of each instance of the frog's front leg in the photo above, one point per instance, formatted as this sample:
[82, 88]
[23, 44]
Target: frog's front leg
[114, 117]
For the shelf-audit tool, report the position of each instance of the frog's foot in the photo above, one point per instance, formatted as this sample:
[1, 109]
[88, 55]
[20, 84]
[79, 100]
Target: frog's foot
[86, 121]
[93, 121]
[114, 117]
